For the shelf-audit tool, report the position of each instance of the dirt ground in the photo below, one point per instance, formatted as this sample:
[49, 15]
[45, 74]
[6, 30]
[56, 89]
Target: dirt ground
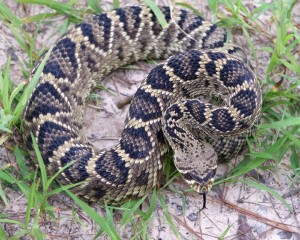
[251, 213]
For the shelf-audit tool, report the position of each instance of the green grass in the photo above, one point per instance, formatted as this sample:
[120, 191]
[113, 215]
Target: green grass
[277, 135]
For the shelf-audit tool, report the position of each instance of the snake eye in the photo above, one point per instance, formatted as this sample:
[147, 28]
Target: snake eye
[194, 176]
[187, 176]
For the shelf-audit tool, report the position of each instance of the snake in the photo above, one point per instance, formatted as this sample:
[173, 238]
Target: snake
[201, 103]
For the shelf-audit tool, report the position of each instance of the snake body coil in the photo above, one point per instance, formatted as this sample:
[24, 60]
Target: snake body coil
[166, 110]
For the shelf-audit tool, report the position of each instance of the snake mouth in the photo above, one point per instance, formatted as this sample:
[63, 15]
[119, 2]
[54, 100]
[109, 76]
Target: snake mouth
[200, 184]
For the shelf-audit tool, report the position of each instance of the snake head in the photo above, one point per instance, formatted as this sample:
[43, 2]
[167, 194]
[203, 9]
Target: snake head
[200, 182]
[197, 164]
[195, 158]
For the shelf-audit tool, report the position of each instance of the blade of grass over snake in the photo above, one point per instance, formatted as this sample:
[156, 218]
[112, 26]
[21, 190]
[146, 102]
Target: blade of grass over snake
[157, 12]
[31, 85]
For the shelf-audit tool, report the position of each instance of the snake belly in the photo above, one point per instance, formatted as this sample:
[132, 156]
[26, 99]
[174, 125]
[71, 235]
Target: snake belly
[104, 42]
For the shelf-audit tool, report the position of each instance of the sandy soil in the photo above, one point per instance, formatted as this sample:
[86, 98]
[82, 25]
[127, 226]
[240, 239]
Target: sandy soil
[251, 213]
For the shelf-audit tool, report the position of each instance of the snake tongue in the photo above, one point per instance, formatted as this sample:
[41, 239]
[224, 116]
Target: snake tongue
[204, 201]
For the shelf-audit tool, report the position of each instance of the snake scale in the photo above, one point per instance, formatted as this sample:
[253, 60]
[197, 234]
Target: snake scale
[170, 108]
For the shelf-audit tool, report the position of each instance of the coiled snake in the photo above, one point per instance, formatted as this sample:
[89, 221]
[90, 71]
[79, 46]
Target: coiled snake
[167, 109]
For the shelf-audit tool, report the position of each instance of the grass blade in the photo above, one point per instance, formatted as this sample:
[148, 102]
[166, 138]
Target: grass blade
[282, 123]
[223, 235]
[41, 163]
[159, 15]
[30, 203]
[3, 196]
[29, 88]
[168, 216]
[93, 215]
[4, 84]
[2, 233]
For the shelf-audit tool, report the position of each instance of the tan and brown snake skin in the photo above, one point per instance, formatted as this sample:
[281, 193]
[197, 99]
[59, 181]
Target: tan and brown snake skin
[167, 110]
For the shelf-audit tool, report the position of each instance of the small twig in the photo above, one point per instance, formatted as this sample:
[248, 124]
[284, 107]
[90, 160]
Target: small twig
[253, 215]
[123, 102]
[291, 193]
[257, 217]
[191, 230]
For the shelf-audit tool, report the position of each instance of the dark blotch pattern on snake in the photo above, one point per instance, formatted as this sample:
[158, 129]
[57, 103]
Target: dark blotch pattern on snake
[167, 110]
